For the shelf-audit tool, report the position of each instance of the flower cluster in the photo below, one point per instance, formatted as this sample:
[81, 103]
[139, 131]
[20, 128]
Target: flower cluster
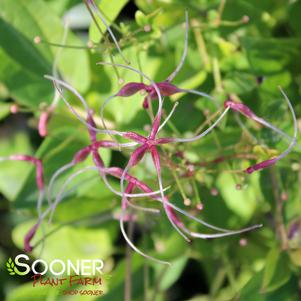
[139, 146]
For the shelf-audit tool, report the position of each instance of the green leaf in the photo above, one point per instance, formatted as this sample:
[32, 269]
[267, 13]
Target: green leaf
[76, 242]
[141, 18]
[13, 174]
[267, 56]
[277, 271]
[239, 83]
[4, 110]
[22, 71]
[26, 292]
[10, 266]
[173, 273]
[242, 202]
[294, 16]
[110, 10]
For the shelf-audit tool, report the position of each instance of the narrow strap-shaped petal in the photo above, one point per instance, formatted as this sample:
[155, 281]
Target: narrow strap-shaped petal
[81, 155]
[155, 127]
[241, 108]
[261, 165]
[168, 89]
[92, 126]
[134, 136]
[137, 155]
[130, 89]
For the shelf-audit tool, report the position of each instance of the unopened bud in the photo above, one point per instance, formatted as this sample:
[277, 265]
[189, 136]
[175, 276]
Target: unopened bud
[284, 196]
[214, 191]
[245, 19]
[90, 44]
[14, 108]
[120, 81]
[187, 202]
[37, 40]
[238, 186]
[200, 206]
[147, 28]
[243, 242]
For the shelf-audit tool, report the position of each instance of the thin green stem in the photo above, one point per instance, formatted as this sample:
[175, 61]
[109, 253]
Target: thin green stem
[217, 75]
[217, 282]
[229, 272]
[200, 43]
[178, 182]
[157, 284]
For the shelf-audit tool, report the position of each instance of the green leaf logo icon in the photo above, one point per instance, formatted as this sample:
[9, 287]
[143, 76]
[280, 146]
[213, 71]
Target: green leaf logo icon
[11, 267]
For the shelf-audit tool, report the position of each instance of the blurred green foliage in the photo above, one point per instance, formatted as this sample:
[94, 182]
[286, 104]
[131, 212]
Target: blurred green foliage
[242, 48]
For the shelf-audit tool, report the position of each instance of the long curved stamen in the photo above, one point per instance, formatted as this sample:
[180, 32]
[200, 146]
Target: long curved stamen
[102, 108]
[179, 67]
[156, 160]
[203, 94]
[54, 177]
[59, 197]
[168, 117]
[71, 89]
[124, 203]
[293, 142]
[200, 221]
[215, 235]
[40, 203]
[121, 223]
[159, 112]
[98, 13]
[150, 193]
[137, 207]
[132, 195]
[201, 135]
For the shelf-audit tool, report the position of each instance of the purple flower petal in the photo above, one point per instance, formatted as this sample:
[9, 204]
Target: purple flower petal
[167, 89]
[261, 165]
[171, 213]
[81, 155]
[137, 155]
[130, 89]
[92, 124]
[240, 107]
[155, 127]
[134, 136]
